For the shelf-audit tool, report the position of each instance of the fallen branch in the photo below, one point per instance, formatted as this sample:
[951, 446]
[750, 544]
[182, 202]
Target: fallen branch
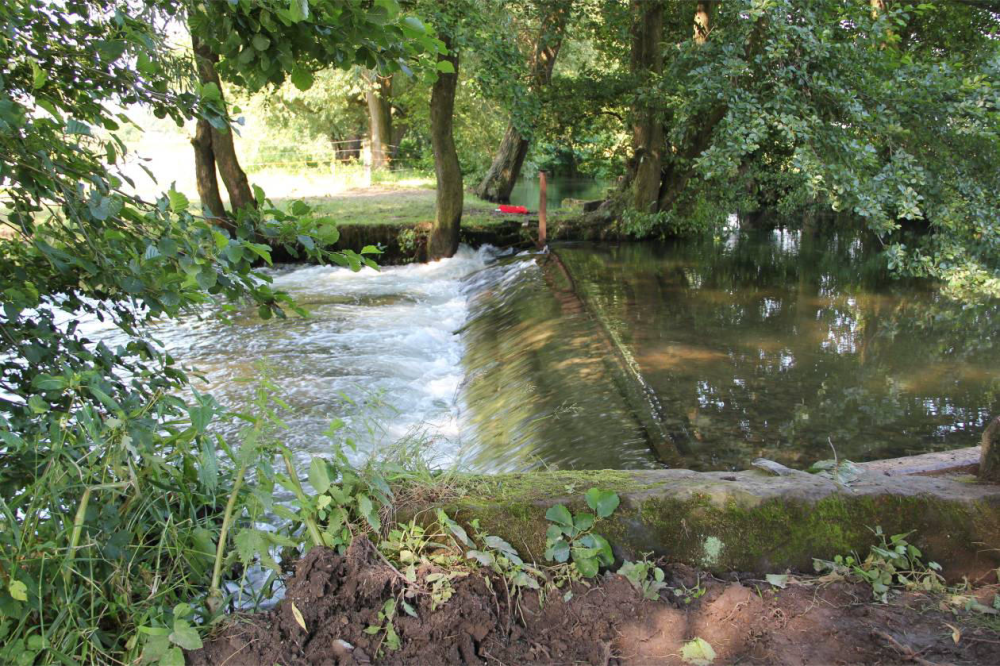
[907, 653]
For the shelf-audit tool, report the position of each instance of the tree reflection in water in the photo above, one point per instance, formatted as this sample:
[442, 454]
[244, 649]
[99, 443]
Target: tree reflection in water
[772, 343]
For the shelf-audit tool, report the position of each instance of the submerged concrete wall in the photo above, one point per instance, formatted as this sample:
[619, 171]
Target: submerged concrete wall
[746, 521]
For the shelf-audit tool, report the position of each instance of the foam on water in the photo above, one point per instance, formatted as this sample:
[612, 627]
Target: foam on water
[380, 350]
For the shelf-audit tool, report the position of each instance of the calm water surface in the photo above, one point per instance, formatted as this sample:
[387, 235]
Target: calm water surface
[558, 189]
[779, 344]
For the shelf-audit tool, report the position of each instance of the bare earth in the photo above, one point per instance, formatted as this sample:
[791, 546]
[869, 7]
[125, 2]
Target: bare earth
[608, 623]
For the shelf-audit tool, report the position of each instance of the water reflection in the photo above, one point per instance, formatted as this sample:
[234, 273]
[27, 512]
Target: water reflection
[774, 344]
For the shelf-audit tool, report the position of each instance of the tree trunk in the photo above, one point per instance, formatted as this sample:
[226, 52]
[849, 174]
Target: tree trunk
[233, 176]
[678, 172]
[506, 167]
[989, 462]
[647, 130]
[204, 169]
[380, 119]
[443, 241]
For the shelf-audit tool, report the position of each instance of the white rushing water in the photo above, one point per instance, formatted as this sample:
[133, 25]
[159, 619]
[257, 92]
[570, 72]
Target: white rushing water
[468, 362]
[380, 350]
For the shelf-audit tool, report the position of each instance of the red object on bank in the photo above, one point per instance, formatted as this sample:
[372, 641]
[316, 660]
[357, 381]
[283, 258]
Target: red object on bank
[521, 210]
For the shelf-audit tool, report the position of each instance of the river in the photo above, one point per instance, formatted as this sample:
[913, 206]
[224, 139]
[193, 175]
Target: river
[780, 344]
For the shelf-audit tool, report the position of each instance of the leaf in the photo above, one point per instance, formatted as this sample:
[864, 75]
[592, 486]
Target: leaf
[211, 92]
[185, 636]
[74, 126]
[778, 580]
[178, 201]
[604, 502]
[248, 543]
[698, 652]
[588, 566]
[18, 590]
[174, 656]
[412, 27]
[583, 521]
[457, 530]
[605, 554]
[560, 515]
[298, 10]
[368, 511]
[497, 543]
[37, 404]
[445, 66]
[38, 76]
[391, 7]
[297, 614]
[319, 475]
[484, 558]
[110, 49]
[302, 78]
[260, 42]
[558, 552]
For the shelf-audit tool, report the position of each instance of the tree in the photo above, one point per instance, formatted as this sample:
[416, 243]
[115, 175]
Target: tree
[379, 96]
[214, 147]
[647, 128]
[499, 180]
[292, 41]
[457, 23]
[443, 240]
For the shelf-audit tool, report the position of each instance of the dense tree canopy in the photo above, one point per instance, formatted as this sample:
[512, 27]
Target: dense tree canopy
[885, 112]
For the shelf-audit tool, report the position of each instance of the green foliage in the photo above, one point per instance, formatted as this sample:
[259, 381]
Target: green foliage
[347, 502]
[572, 536]
[893, 563]
[116, 497]
[686, 594]
[268, 41]
[645, 576]
[386, 626]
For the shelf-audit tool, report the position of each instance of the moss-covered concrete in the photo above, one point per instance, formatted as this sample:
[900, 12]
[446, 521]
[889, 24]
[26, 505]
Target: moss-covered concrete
[746, 521]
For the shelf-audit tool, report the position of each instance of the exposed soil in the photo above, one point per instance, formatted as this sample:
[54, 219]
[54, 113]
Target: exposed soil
[608, 623]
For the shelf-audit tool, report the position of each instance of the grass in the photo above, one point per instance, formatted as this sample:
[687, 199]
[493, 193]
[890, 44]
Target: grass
[407, 206]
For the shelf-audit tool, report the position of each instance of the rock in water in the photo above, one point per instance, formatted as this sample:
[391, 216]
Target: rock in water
[989, 462]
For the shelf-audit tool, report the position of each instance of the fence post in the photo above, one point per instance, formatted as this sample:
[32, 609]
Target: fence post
[542, 201]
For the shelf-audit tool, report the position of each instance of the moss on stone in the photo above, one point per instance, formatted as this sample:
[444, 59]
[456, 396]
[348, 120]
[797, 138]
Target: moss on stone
[727, 527]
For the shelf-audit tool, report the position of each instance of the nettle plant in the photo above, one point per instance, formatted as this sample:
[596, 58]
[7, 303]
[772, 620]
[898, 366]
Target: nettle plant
[572, 537]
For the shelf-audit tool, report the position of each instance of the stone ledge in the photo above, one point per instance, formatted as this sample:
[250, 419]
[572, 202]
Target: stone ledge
[959, 461]
[744, 521]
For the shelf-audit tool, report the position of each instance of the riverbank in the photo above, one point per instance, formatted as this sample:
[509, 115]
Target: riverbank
[398, 219]
[471, 573]
[336, 612]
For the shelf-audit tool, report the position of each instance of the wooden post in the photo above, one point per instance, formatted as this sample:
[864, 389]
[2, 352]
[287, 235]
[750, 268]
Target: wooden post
[542, 196]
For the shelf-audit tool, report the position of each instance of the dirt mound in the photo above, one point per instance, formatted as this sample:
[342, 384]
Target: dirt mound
[337, 598]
